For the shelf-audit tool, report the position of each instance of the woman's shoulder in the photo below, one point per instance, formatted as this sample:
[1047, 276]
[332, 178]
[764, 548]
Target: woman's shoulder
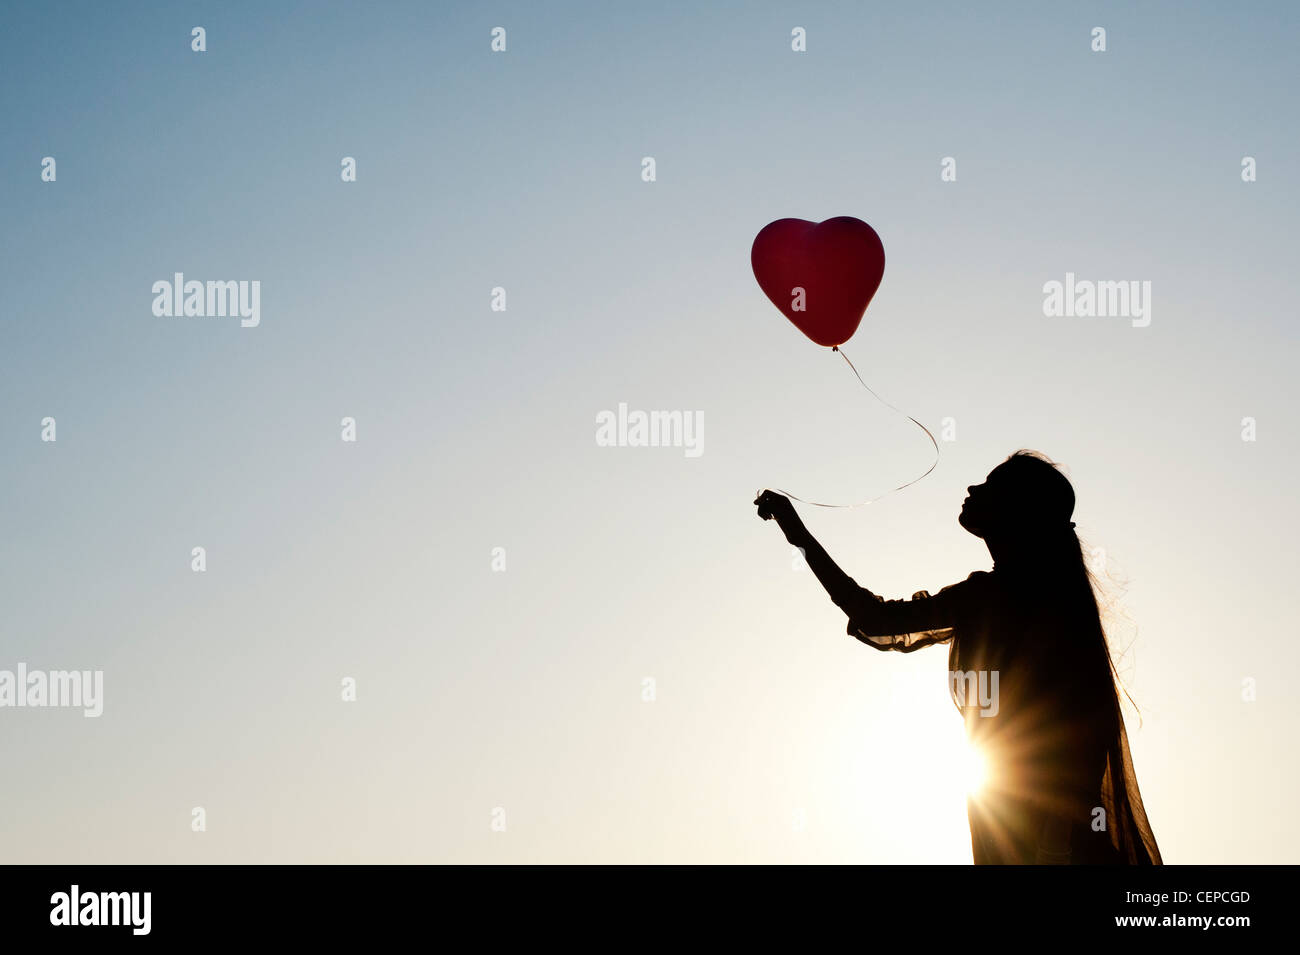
[982, 591]
[975, 590]
[977, 580]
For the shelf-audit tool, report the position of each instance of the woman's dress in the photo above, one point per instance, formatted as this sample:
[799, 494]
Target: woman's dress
[1040, 704]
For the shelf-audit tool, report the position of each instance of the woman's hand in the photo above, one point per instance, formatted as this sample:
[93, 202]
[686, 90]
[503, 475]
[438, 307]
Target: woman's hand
[777, 507]
[773, 506]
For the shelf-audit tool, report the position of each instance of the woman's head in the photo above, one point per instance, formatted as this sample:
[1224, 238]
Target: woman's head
[1025, 497]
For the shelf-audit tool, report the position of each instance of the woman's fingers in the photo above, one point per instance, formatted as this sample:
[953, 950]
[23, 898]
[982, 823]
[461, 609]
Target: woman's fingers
[769, 502]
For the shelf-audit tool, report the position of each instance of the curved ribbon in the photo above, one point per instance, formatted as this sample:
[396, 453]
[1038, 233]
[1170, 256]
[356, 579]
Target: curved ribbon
[887, 405]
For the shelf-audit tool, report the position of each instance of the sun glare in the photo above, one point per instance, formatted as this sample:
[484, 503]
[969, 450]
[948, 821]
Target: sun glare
[929, 766]
[974, 769]
[961, 767]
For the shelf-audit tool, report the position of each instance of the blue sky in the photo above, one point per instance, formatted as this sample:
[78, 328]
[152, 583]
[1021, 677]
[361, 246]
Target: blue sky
[521, 689]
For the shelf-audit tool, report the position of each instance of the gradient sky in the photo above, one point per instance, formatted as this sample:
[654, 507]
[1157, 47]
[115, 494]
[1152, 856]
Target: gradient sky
[522, 690]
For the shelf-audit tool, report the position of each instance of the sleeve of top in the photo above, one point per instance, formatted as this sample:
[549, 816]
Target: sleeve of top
[907, 625]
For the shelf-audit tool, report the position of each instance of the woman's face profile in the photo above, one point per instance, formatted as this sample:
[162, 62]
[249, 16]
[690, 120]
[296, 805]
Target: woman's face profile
[1018, 497]
[981, 508]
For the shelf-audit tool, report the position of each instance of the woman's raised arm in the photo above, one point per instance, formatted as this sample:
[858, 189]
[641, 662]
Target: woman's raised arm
[903, 625]
[843, 590]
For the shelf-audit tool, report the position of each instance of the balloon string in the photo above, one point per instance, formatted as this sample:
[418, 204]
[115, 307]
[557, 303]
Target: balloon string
[887, 405]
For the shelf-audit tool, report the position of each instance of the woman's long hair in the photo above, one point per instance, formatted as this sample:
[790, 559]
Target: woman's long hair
[1057, 592]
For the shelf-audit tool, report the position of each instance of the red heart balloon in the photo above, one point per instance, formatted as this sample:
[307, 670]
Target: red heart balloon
[838, 263]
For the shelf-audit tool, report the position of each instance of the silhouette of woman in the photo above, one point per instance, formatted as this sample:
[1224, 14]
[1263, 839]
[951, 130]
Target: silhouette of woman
[1029, 670]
